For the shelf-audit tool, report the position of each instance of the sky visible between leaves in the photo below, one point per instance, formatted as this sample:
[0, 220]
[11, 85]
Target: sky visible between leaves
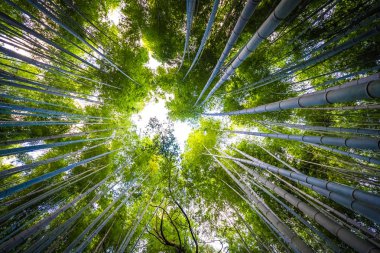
[148, 48]
[156, 108]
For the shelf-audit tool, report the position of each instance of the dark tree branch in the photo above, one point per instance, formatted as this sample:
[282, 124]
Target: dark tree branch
[156, 236]
[174, 225]
[221, 247]
[184, 214]
[162, 231]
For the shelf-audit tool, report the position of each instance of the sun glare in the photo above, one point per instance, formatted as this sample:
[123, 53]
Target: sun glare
[17, 50]
[156, 108]
[114, 15]
[152, 64]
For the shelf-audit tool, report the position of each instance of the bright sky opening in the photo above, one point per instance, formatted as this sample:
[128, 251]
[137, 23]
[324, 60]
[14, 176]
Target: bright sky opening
[156, 108]
[152, 64]
[114, 15]
[16, 49]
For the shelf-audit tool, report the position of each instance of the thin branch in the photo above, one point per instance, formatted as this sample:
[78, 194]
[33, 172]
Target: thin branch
[156, 236]
[172, 222]
[184, 214]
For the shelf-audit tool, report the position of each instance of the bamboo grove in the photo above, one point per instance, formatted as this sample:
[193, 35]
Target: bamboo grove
[281, 96]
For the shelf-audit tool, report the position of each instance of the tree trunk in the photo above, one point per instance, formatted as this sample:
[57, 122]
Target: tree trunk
[205, 36]
[13, 151]
[52, 137]
[68, 29]
[5, 173]
[244, 17]
[15, 23]
[190, 5]
[362, 202]
[49, 193]
[356, 142]
[338, 94]
[325, 129]
[333, 227]
[284, 8]
[124, 244]
[15, 241]
[27, 184]
[288, 233]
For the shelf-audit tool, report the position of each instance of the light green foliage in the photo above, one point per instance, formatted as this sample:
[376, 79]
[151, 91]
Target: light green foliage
[190, 199]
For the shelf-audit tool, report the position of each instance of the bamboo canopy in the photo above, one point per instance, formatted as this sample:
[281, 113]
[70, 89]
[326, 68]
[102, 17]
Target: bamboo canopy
[189, 126]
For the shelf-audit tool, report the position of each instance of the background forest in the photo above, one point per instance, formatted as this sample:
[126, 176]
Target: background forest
[189, 126]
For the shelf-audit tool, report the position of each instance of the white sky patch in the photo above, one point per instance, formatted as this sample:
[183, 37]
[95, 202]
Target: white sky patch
[181, 132]
[273, 36]
[37, 153]
[141, 43]
[14, 161]
[11, 160]
[92, 58]
[152, 64]
[152, 109]
[79, 103]
[217, 245]
[76, 128]
[156, 108]
[17, 50]
[95, 206]
[114, 15]
[23, 52]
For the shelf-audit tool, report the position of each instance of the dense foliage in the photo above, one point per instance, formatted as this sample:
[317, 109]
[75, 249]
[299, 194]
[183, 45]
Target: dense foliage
[78, 174]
